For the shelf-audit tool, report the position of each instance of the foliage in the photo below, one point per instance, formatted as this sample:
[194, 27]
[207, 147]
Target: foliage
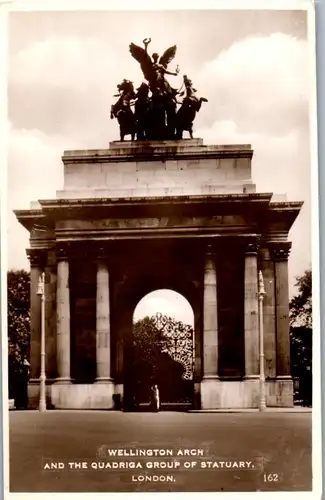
[301, 349]
[18, 291]
[301, 304]
[163, 354]
[301, 334]
[148, 344]
[163, 334]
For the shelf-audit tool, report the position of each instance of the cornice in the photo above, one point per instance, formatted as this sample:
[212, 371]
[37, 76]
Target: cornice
[148, 151]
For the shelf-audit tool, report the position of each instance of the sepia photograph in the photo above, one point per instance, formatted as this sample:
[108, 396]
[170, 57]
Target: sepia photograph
[161, 194]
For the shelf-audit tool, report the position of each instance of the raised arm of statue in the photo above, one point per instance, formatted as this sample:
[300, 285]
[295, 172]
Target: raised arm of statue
[171, 72]
[146, 42]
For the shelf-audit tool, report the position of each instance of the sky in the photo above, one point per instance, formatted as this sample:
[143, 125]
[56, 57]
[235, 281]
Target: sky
[253, 66]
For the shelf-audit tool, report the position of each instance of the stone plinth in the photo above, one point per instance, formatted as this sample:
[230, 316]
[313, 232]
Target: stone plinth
[83, 396]
[217, 394]
[152, 168]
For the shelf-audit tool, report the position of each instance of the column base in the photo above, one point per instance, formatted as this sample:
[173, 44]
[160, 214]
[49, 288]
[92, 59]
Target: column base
[103, 380]
[97, 396]
[63, 380]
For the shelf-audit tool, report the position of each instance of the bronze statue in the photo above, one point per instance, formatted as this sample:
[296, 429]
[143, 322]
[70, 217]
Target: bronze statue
[155, 115]
[153, 70]
[122, 109]
[190, 106]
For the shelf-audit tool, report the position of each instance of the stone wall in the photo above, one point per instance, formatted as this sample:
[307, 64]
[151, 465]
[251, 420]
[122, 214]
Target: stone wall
[149, 169]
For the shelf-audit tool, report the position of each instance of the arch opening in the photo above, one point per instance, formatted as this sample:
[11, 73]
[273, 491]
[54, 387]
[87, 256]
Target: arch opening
[163, 350]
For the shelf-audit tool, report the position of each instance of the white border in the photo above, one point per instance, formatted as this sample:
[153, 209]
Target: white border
[91, 5]
[3, 253]
[96, 5]
[317, 413]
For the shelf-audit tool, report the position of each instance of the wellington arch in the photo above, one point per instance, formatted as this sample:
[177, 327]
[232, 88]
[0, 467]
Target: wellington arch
[142, 216]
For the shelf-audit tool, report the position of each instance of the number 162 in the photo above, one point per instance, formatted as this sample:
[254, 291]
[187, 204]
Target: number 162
[271, 478]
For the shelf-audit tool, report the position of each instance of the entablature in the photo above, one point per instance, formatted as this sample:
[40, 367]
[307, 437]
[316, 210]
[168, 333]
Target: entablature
[159, 217]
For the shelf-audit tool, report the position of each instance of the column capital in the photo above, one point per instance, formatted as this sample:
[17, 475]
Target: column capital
[101, 254]
[210, 249]
[62, 252]
[36, 257]
[209, 263]
[279, 250]
[252, 245]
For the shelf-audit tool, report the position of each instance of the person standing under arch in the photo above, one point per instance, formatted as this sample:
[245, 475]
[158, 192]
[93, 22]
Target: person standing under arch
[155, 398]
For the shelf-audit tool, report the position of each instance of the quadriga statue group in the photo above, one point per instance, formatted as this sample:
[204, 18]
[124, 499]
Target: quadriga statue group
[150, 112]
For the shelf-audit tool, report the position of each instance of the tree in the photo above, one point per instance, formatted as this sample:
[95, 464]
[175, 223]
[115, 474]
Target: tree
[301, 304]
[163, 352]
[148, 344]
[18, 292]
[301, 335]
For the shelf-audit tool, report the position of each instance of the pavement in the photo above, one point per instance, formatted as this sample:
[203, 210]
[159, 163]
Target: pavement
[294, 409]
[56, 451]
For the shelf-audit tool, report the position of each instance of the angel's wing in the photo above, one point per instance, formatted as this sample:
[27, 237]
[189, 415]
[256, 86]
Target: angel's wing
[168, 56]
[143, 58]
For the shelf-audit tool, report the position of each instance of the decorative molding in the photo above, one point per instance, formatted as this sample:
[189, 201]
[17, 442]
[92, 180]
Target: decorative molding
[279, 250]
[210, 250]
[62, 252]
[101, 254]
[252, 245]
[36, 257]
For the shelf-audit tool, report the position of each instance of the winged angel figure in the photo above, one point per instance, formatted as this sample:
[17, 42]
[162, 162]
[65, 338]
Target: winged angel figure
[153, 70]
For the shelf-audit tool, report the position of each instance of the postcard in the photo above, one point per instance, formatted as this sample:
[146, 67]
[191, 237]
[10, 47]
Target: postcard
[162, 306]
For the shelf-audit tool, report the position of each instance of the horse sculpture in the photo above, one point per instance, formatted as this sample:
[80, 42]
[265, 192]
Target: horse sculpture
[187, 112]
[122, 110]
[141, 112]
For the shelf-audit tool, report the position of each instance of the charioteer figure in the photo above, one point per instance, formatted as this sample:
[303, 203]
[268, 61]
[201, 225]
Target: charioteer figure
[190, 106]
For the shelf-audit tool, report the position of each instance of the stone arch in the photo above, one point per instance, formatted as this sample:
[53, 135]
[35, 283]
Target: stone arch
[138, 283]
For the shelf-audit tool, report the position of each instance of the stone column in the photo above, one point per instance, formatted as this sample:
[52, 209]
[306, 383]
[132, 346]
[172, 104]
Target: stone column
[210, 317]
[280, 253]
[103, 340]
[36, 259]
[50, 316]
[251, 312]
[267, 268]
[63, 320]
